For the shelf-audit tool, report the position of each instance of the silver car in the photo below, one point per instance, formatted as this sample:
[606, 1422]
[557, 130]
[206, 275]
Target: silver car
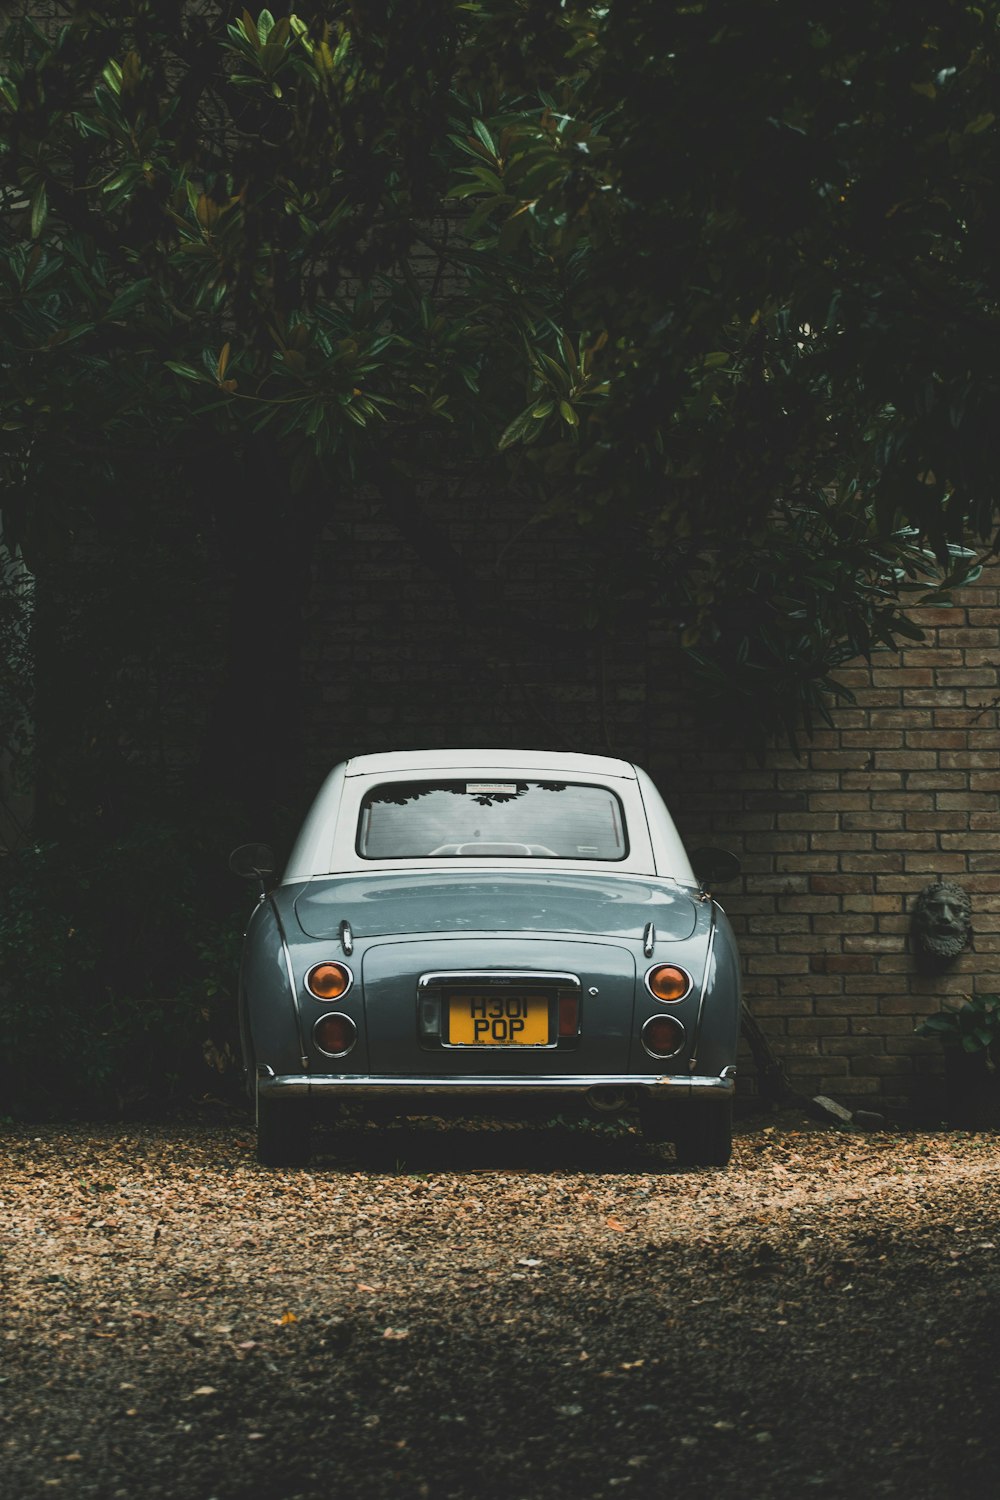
[485, 923]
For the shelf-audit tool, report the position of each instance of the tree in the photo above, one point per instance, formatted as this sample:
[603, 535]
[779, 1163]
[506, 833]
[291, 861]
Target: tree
[210, 301]
[775, 223]
[714, 277]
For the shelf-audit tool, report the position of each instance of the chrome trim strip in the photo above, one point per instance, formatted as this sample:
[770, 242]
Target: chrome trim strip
[564, 1083]
[693, 1062]
[498, 977]
[648, 940]
[293, 987]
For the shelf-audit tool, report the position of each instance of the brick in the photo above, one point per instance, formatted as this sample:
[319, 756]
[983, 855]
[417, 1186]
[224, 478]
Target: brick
[764, 1009]
[870, 697]
[985, 637]
[782, 924]
[940, 821]
[784, 885]
[869, 822]
[934, 863]
[855, 1046]
[906, 841]
[880, 1067]
[870, 739]
[902, 677]
[872, 781]
[839, 884]
[776, 843]
[827, 1067]
[936, 781]
[905, 760]
[797, 1047]
[776, 802]
[808, 822]
[811, 942]
[778, 964]
[812, 985]
[855, 922]
[934, 657]
[843, 1005]
[937, 739]
[968, 677]
[842, 963]
[808, 862]
[840, 802]
[882, 863]
[871, 903]
[933, 698]
[909, 1005]
[841, 841]
[927, 615]
[969, 760]
[818, 1026]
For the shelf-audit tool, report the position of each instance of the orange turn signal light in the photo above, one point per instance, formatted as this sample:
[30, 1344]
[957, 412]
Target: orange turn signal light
[668, 982]
[329, 981]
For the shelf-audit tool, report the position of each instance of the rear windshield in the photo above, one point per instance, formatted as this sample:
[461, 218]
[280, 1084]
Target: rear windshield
[485, 819]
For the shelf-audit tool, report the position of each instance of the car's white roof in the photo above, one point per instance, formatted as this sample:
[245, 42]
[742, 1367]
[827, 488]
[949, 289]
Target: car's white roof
[327, 839]
[468, 760]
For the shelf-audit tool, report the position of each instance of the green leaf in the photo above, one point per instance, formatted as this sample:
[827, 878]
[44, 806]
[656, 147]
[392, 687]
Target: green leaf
[516, 429]
[39, 210]
[187, 371]
[484, 135]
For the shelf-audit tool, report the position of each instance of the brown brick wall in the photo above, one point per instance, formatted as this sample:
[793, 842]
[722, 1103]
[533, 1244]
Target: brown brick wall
[836, 844]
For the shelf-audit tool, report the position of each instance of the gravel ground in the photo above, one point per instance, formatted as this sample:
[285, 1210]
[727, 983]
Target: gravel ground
[469, 1311]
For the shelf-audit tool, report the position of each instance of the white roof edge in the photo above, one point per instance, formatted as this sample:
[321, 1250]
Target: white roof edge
[498, 760]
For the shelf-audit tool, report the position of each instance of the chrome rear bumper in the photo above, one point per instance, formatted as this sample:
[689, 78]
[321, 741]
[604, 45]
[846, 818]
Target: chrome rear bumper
[353, 1085]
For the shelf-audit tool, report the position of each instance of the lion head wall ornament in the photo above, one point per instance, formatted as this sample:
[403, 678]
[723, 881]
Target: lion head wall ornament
[941, 923]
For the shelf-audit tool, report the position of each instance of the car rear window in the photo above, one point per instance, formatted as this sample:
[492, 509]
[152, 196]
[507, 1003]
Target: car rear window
[491, 819]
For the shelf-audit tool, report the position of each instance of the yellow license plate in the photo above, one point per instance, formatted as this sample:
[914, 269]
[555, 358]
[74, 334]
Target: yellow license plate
[495, 1020]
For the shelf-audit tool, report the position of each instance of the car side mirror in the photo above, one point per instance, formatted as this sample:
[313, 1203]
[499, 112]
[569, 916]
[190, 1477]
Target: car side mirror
[715, 866]
[252, 861]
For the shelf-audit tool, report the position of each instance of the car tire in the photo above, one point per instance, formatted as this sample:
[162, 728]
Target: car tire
[703, 1136]
[282, 1132]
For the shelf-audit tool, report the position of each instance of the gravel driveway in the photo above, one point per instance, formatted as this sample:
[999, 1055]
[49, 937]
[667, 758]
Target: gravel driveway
[473, 1312]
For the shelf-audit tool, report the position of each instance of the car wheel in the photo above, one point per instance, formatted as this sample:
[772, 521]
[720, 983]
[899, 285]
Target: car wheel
[657, 1120]
[703, 1136]
[282, 1132]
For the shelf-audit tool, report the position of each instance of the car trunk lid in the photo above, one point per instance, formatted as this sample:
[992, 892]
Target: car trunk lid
[597, 905]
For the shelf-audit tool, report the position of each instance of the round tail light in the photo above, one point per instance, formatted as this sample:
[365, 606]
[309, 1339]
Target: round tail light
[329, 981]
[335, 1034]
[668, 982]
[663, 1036]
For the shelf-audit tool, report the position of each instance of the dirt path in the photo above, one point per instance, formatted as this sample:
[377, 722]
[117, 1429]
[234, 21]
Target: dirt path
[472, 1313]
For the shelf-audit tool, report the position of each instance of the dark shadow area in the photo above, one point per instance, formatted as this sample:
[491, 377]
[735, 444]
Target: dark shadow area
[430, 1146]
